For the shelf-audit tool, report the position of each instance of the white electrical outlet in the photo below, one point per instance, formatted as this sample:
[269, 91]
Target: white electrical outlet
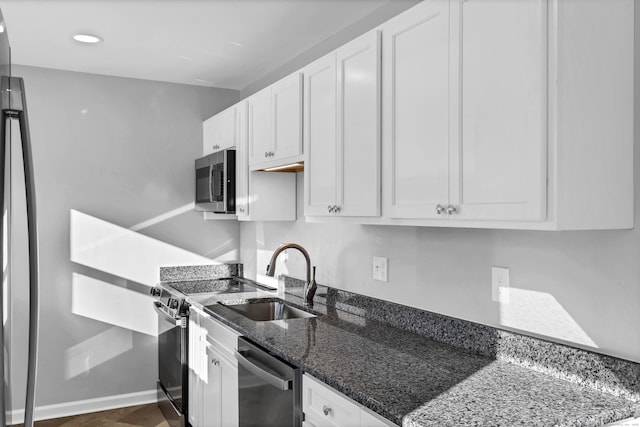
[500, 284]
[380, 268]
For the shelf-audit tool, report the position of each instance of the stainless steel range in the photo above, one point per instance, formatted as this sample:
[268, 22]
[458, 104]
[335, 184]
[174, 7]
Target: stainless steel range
[173, 317]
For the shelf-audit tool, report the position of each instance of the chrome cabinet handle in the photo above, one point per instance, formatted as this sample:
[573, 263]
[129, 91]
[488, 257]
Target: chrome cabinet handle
[451, 210]
[439, 209]
[326, 410]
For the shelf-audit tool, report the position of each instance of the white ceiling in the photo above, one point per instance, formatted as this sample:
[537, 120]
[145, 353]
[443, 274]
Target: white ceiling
[221, 43]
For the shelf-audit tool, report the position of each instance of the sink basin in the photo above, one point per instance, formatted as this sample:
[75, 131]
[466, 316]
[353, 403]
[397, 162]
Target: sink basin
[265, 311]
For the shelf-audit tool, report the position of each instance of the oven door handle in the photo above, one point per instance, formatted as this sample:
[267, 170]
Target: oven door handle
[173, 320]
[262, 372]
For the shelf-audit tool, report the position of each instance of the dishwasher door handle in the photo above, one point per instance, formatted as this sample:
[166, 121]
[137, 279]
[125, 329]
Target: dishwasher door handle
[260, 371]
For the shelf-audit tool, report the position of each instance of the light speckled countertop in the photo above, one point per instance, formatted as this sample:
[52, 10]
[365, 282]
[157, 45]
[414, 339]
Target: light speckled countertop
[411, 379]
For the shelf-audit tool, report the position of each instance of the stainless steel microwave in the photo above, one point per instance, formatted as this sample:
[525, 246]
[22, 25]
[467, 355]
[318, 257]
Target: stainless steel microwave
[216, 182]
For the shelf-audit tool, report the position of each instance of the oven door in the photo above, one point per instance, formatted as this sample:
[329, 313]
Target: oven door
[172, 358]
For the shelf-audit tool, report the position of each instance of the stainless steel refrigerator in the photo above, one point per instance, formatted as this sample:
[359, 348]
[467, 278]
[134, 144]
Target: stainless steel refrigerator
[14, 135]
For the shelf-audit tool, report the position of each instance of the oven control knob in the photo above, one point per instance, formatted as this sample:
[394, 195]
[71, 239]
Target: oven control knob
[173, 303]
[156, 292]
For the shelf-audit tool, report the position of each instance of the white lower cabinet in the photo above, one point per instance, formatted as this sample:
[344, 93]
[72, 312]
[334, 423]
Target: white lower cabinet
[213, 373]
[326, 407]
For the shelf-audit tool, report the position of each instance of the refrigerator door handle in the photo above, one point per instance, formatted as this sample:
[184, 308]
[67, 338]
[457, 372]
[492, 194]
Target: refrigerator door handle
[14, 107]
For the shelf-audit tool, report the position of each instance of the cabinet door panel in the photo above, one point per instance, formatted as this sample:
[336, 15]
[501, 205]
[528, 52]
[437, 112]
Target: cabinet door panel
[287, 107]
[502, 153]
[212, 390]
[320, 135]
[242, 162]
[211, 134]
[359, 126]
[228, 128]
[260, 129]
[416, 119]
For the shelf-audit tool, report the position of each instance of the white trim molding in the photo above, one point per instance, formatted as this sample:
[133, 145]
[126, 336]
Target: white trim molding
[77, 407]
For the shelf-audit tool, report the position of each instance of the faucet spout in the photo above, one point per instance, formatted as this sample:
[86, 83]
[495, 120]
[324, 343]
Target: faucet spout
[271, 268]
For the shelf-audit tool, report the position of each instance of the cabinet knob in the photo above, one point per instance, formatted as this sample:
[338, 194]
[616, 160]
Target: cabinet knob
[215, 362]
[439, 209]
[451, 209]
[241, 209]
[330, 208]
[326, 409]
[336, 208]
[266, 154]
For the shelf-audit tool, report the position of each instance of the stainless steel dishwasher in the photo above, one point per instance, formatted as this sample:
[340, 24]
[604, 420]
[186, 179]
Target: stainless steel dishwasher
[269, 389]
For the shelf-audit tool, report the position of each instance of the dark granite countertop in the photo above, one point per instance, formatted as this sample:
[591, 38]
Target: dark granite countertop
[413, 380]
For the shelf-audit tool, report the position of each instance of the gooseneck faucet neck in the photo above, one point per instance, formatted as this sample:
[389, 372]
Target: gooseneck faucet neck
[310, 286]
[271, 268]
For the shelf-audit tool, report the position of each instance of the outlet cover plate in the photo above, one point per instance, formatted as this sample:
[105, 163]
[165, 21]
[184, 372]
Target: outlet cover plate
[500, 284]
[380, 268]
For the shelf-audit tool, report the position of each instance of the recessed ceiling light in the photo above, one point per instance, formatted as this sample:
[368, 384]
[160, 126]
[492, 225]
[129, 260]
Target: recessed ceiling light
[87, 38]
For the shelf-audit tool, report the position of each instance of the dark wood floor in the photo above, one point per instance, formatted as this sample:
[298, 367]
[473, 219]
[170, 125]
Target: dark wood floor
[142, 416]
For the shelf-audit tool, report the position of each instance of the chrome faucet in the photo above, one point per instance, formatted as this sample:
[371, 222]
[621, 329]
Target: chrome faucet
[310, 285]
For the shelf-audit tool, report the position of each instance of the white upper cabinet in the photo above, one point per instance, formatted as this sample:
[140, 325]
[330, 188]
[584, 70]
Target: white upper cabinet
[465, 124]
[275, 124]
[499, 117]
[242, 163]
[342, 130]
[509, 114]
[259, 126]
[286, 96]
[219, 131]
[260, 196]
[416, 111]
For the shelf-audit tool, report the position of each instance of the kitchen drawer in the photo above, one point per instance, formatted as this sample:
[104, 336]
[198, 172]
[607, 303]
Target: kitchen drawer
[324, 407]
[223, 338]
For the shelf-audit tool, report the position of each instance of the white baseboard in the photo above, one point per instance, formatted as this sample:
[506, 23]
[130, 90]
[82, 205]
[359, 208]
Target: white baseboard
[85, 406]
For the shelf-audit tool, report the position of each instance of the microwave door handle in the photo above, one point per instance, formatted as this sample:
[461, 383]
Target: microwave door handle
[224, 181]
[211, 183]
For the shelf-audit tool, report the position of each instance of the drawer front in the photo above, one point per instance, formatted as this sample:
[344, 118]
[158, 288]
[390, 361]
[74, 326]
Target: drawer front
[324, 407]
[221, 337]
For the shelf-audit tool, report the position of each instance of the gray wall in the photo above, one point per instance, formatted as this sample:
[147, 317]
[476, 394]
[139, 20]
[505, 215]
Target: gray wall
[582, 288]
[120, 150]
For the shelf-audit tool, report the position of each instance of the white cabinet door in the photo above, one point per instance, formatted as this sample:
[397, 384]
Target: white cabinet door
[228, 128]
[416, 117]
[242, 162]
[499, 132]
[358, 156]
[260, 126]
[219, 131]
[320, 79]
[286, 96]
[230, 415]
[212, 389]
[342, 131]
[275, 123]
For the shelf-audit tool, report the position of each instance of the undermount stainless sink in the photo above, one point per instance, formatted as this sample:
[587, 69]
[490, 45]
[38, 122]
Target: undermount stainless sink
[265, 311]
